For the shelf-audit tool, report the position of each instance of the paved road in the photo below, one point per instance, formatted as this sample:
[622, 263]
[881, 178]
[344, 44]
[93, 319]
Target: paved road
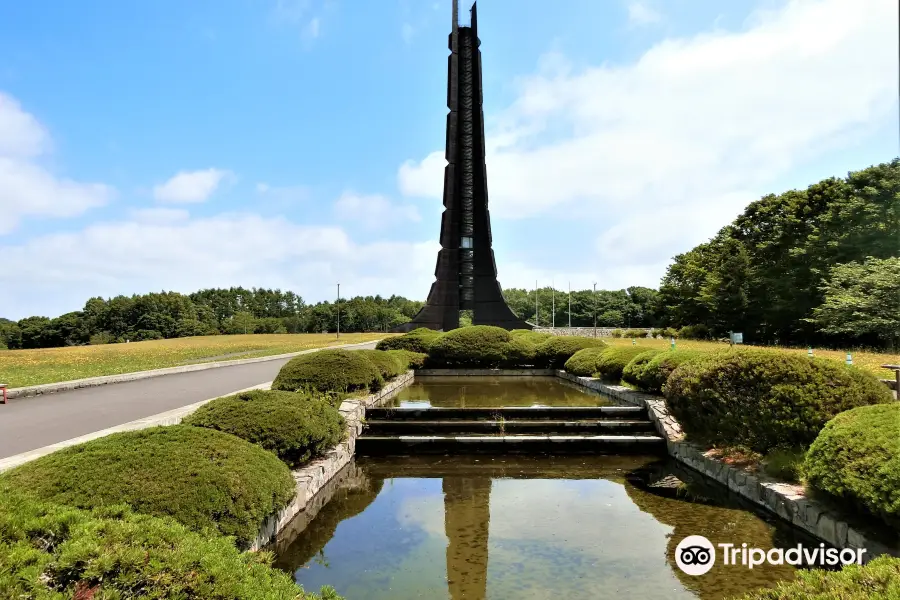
[29, 423]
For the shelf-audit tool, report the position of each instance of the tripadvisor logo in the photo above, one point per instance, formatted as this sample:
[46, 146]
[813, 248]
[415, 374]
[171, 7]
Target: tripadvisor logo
[696, 555]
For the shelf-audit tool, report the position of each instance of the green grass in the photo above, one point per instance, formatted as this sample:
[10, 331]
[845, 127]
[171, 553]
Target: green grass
[20, 368]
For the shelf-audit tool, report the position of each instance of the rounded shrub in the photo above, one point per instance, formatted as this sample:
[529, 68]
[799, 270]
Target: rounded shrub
[553, 353]
[388, 365]
[612, 363]
[694, 332]
[633, 370]
[584, 362]
[52, 552]
[339, 371]
[295, 427]
[765, 399]
[477, 346]
[876, 580]
[655, 373]
[521, 351]
[856, 458]
[417, 340]
[635, 333]
[617, 333]
[409, 359]
[204, 479]
[534, 337]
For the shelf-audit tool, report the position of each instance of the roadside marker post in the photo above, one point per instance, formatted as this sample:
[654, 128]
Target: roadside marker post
[3, 390]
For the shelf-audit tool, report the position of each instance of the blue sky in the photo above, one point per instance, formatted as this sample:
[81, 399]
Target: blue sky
[297, 143]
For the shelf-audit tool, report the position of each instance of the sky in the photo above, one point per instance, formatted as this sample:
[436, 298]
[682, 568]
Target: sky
[297, 144]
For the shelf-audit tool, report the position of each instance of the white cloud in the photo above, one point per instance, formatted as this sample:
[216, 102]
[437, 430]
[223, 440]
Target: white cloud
[190, 186]
[282, 195]
[159, 216]
[312, 28]
[373, 210]
[26, 187]
[53, 274]
[641, 14]
[663, 152]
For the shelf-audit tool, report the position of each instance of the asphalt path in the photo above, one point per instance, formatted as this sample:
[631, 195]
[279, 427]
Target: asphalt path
[30, 423]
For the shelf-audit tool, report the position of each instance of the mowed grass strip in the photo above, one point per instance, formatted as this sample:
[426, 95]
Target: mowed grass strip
[20, 368]
[871, 361]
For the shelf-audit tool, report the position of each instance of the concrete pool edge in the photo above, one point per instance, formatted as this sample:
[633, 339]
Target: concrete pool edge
[788, 502]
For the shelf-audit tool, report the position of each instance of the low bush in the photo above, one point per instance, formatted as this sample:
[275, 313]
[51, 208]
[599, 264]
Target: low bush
[765, 399]
[521, 351]
[339, 371]
[633, 370]
[655, 373]
[667, 332]
[553, 353]
[534, 337]
[584, 362]
[877, 580]
[388, 365]
[694, 332]
[417, 340]
[784, 463]
[635, 333]
[613, 362]
[478, 346]
[617, 333]
[294, 426]
[409, 359]
[204, 479]
[856, 458]
[52, 552]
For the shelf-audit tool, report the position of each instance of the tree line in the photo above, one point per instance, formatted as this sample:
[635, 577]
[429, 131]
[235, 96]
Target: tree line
[815, 266]
[234, 310]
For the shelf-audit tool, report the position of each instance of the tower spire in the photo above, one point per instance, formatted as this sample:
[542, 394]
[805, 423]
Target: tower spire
[455, 27]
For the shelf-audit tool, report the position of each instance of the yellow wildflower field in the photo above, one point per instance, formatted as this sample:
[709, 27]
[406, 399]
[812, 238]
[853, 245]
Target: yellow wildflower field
[870, 361]
[19, 368]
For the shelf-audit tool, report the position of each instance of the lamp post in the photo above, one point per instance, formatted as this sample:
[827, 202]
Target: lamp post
[594, 296]
[570, 305]
[553, 305]
[338, 305]
[536, 319]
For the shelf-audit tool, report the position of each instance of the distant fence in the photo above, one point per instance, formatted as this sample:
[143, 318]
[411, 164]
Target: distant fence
[587, 331]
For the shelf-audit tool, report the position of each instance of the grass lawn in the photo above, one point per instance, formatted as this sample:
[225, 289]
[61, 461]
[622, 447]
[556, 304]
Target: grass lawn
[870, 361]
[19, 368]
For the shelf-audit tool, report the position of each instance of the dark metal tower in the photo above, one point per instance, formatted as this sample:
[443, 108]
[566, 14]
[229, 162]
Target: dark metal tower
[466, 274]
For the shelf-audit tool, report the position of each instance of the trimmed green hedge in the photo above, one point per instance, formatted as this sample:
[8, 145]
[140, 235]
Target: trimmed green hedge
[51, 552]
[614, 360]
[554, 352]
[339, 371]
[417, 340]
[584, 362]
[295, 427]
[856, 458]
[477, 346]
[635, 368]
[765, 399]
[201, 477]
[877, 580]
[655, 373]
[387, 364]
[409, 359]
[534, 337]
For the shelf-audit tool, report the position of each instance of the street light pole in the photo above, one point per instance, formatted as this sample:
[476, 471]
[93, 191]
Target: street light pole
[536, 319]
[338, 305]
[594, 296]
[553, 304]
[570, 305]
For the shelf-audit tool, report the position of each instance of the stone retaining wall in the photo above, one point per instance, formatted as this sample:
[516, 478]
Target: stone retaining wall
[788, 501]
[313, 477]
[585, 331]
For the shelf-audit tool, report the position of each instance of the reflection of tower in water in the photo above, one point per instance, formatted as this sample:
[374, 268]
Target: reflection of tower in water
[467, 515]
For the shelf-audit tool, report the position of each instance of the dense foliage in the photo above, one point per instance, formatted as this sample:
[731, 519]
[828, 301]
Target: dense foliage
[296, 427]
[655, 373]
[584, 362]
[337, 370]
[52, 552]
[207, 312]
[477, 346]
[635, 367]
[856, 458]
[409, 359]
[764, 399]
[389, 365]
[202, 478]
[555, 351]
[612, 363]
[786, 256]
[632, 307]
[417, 340]
[877, 580]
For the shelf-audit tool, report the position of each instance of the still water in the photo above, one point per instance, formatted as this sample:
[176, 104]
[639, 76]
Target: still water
[525, 527]
[495, 391]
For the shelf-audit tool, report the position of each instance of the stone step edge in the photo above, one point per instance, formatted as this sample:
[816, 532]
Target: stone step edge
[514, 438]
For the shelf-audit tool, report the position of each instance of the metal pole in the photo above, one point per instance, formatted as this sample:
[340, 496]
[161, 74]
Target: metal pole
[536, 320]
[553, 304]
[338, 304]
[570, 305]
[594, 296]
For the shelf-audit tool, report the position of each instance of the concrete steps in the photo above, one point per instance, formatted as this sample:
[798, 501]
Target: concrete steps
[531, 430]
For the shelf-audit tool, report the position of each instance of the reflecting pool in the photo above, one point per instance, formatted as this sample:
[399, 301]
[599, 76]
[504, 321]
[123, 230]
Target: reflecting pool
[526, 527]
[495, 391]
